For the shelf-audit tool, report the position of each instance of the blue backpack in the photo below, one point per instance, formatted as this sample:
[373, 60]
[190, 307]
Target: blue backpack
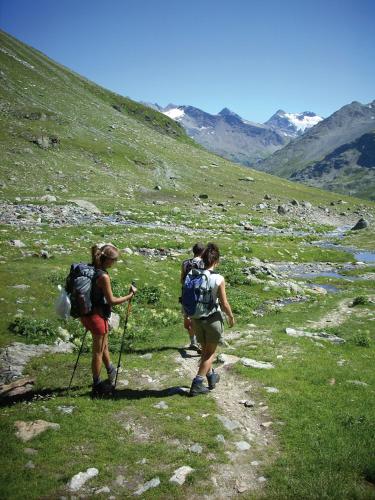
[197, 298]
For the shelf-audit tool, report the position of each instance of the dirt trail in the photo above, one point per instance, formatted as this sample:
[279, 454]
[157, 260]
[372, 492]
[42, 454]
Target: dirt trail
[335, 317]
[239, 475]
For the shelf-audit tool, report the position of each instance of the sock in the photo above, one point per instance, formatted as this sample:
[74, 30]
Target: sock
[210, 372]
[193, 339]
[110, 368]
[96, 380]
[198, 379]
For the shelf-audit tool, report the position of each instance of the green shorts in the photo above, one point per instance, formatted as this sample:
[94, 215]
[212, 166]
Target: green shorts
[209, 330]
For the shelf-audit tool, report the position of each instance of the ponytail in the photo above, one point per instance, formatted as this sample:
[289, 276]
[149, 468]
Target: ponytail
[211, 255]
[100, 253]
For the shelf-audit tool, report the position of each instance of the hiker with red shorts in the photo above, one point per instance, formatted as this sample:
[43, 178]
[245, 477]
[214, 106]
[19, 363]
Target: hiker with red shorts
[102, 299]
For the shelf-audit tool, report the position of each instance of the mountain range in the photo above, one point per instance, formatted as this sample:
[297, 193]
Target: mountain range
[335, 153]
[231, 136]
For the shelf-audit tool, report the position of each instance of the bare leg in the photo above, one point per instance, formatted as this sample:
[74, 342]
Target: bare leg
[106, 357]
[98, 346]
[207, 357]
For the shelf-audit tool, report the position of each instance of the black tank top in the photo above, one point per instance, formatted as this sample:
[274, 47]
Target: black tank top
[99, 302]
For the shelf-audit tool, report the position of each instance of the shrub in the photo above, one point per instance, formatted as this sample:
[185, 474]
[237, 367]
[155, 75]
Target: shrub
[38, 331]
[361, 300]
[361, 340]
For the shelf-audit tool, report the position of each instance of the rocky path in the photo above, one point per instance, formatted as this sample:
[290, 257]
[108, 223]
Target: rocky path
[249, 426]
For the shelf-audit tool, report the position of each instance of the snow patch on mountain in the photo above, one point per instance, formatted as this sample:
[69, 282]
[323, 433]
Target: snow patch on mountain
[175, 113]
[303, 121]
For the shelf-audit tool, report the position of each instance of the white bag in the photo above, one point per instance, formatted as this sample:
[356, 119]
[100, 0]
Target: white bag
[114, 321]
[62, 305]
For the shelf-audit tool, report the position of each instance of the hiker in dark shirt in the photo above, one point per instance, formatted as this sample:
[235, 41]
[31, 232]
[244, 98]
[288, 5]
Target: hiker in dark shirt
[194, 263]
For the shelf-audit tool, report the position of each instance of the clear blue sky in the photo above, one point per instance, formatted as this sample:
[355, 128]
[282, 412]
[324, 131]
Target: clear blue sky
[252, 56]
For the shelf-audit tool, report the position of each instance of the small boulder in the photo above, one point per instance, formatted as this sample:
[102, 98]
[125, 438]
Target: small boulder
[17, 243]
[180, 474]
[153, 483]
[361, 224]
[29, 430]
[203, 196]
[282, 210]
[81, 478]
[256, 364]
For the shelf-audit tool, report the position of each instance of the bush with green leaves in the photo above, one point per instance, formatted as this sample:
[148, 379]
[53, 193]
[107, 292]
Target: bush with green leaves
[361, 300]
[361, 340]
[38, 331]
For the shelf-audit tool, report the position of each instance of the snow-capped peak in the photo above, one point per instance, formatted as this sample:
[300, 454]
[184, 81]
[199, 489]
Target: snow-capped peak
[304, 120]
[175, 113]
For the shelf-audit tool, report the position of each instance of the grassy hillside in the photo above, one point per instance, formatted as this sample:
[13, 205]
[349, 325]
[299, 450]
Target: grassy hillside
[310, 431]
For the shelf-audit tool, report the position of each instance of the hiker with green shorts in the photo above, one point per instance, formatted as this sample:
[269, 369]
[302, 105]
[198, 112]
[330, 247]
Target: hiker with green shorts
[209, 328]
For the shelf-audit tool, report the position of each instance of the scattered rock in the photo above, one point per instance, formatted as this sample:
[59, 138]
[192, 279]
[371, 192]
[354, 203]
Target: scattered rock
[30, 465]
[148, 355]
[161, 406]
[357, 382]
[272, 390]
[267, 197]
[196, 448]
[30, 451]
[247, 403]
[180, 474]
[242, 445]
[157, 188]
[87, 205]
[220, 438]
[361, 224]
[17, 243]
[230, 425]
[247, 179]
[203, 196]
[266, 425]
[81, 478]
[292, 332]
[128, 251]
[66, 410]
[282, 209]
[103, 489]
[261, 479]
[48, 197]
[150, 484]
[14, 357]
[257, 364]
[306, 204]
[29, 430]
[17, 388]
[227, 359]
[294, 203]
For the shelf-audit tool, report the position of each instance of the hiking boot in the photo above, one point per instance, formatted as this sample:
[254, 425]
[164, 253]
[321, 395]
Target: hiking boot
[101, 389]
[212, 380]
[112, 375]
[198, 388]
[195, 347]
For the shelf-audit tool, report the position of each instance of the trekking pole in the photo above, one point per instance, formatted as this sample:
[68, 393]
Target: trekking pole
[75, 366]
[128, 309]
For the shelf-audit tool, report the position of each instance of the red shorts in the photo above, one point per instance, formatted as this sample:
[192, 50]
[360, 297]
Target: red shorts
[95, 324]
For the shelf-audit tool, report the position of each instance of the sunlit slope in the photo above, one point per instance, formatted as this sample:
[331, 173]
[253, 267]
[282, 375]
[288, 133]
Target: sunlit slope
[66, 136]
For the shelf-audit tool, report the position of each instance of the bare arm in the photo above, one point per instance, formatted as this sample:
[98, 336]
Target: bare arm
[104, 283]
[182, 275]
[224, 303]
